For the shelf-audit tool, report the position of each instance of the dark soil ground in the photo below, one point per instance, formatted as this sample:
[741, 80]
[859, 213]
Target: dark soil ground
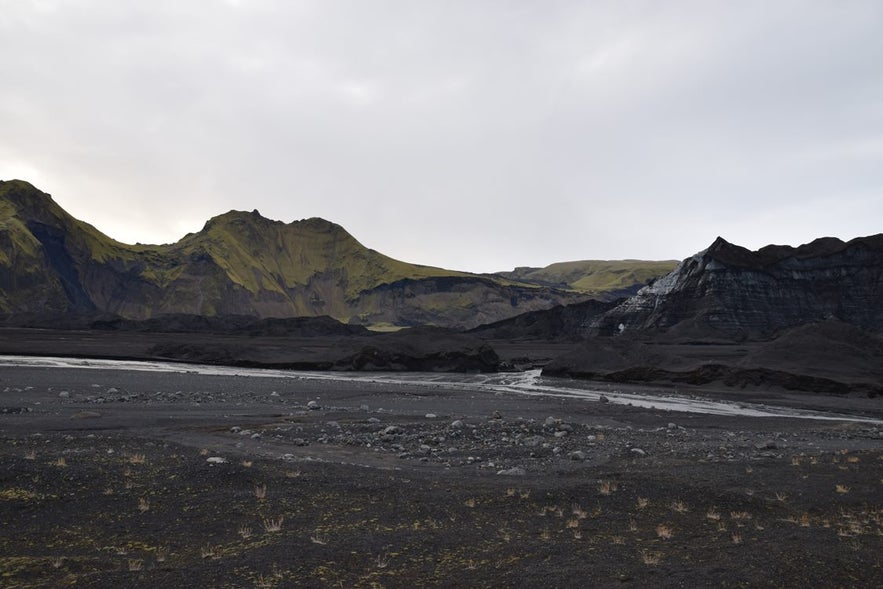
[139, 479]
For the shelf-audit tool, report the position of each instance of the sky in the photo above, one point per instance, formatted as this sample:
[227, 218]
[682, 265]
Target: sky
[474, 135]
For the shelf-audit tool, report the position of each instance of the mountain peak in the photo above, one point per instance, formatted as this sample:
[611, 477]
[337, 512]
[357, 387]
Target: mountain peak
[29, 201]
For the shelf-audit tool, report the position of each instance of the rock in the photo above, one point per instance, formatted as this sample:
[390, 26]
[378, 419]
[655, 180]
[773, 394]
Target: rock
[431, 416]
[603, 399]
[393, 430]
[637, 452]
[64, 394]
[456, 424]
[496, 415]
[533, 441]
[512, 472]
[313, 406]
[235, 429]
[560, 433]
[578, 455]
[216, 460]
[373, 420]
[672, 425]
[766, 445]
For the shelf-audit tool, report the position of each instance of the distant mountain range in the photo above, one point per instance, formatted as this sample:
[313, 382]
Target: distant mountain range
[244, 264]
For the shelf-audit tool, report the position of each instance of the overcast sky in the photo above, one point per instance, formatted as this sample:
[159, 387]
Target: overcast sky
[474, 135]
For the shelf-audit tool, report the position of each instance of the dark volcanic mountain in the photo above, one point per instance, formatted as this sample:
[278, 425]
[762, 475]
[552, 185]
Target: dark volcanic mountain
[731, 292]
[240, 264]
[806, 318]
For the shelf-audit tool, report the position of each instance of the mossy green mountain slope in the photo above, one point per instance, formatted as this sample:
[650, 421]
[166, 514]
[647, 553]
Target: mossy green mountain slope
[239, 264]
[599, 278]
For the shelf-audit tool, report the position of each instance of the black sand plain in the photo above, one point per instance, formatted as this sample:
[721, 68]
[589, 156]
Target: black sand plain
[157, 479]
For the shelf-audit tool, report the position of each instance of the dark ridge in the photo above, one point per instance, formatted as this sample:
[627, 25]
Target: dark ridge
[234, 325]
[738, 256]
[568, 322]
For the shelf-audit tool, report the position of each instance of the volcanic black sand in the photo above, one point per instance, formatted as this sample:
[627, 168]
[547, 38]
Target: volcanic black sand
[148, 479]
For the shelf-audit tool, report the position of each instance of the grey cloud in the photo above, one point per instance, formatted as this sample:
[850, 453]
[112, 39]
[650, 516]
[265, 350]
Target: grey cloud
[475, 135]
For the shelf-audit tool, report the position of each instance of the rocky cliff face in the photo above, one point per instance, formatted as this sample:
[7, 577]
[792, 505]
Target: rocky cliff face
[239, 264]
[732, 292]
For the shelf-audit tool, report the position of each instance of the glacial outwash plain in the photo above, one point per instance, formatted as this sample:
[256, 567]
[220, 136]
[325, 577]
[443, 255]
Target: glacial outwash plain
[269, 404]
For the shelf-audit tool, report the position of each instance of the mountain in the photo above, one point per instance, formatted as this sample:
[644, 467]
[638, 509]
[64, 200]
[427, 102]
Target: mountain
[240, 263]
[731, 292]
[603, 279]
[807, 318]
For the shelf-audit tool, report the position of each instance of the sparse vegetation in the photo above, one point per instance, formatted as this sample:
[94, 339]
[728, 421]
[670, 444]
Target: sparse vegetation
[679, 506]
[273, 525]
[607, 488]
[651, 558]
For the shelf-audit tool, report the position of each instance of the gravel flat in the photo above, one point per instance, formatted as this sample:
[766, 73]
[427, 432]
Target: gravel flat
[114, 478]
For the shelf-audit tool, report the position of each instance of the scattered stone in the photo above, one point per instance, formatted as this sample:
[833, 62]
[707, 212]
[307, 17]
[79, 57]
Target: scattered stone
[560, 433]
[512, 472]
